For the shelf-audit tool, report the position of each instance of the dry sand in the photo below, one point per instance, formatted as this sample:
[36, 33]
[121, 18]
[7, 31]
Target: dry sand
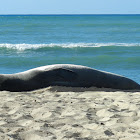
[58, 113]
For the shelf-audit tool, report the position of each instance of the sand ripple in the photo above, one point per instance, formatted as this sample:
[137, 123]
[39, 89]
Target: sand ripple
[50, 114]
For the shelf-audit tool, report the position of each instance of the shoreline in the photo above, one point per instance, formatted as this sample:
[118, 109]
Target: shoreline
[70, 113]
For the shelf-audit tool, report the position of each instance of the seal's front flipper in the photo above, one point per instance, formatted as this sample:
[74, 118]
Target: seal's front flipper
[66, 74]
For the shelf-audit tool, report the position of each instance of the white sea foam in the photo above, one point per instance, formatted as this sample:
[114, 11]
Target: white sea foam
[23, 47]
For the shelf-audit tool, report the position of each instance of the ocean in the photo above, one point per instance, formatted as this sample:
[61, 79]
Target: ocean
[105, 42]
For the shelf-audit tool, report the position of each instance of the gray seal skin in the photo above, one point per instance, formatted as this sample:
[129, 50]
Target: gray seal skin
[64, 75]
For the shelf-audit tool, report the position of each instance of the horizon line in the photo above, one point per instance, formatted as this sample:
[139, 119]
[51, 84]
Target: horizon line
[60, 14]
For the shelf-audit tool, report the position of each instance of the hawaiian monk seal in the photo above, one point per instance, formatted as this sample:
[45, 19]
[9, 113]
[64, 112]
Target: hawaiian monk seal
[64, 75]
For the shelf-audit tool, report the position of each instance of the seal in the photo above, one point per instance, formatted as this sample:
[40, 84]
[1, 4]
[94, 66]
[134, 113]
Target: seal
[64, 75]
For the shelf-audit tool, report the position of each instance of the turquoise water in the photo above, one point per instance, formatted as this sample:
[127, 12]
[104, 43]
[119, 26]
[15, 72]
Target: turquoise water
[105, 42]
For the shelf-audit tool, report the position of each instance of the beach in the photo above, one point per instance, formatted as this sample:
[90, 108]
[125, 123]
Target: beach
[66, 113]
[104, 42]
